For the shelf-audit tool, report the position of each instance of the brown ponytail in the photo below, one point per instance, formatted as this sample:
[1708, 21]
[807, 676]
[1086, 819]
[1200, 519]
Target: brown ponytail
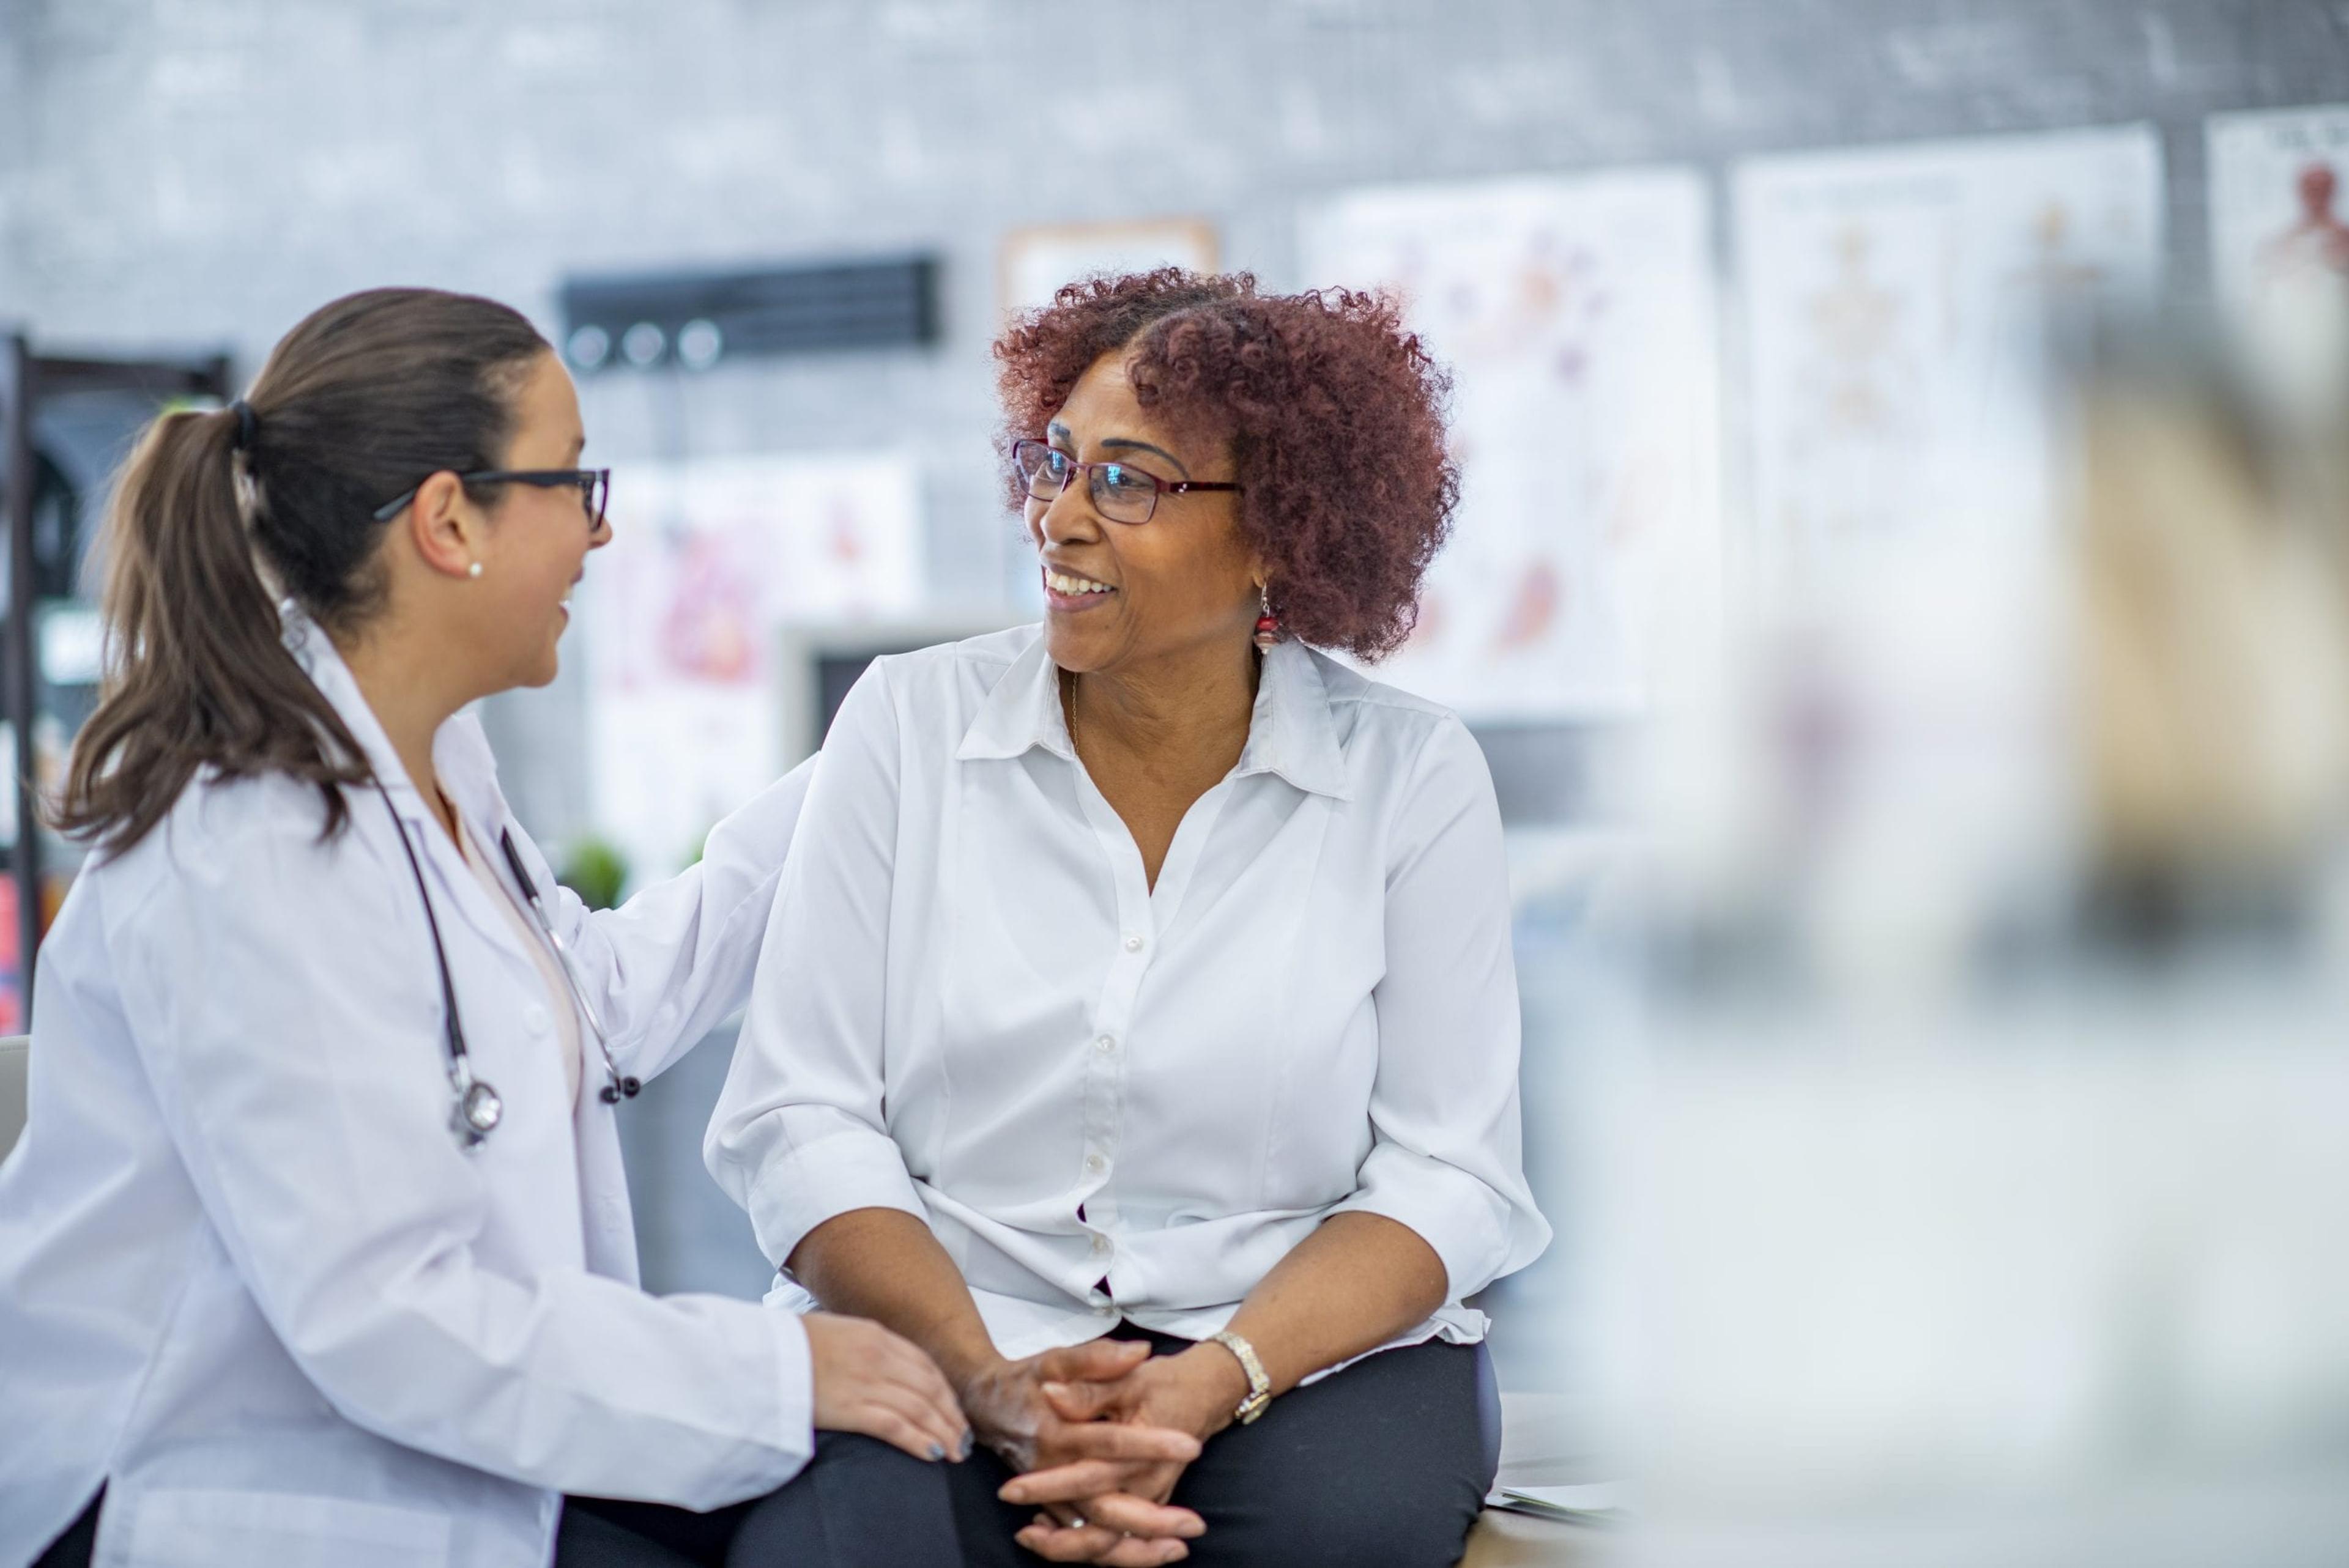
[363, 400]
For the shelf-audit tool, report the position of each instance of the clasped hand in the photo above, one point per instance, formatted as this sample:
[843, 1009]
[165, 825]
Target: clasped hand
[1099, 1433]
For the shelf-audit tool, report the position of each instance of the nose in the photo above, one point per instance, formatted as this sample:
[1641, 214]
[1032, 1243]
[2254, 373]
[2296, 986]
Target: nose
[603, 534]
[1068, 518]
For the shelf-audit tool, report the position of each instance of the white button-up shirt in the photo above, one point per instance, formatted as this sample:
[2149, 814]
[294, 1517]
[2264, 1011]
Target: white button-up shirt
[1112, 1101]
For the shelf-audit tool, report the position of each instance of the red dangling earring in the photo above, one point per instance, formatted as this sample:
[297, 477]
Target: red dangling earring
[1268, 625]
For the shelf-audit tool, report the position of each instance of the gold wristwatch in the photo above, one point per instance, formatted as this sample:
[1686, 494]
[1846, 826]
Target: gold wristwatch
[1259, 1392]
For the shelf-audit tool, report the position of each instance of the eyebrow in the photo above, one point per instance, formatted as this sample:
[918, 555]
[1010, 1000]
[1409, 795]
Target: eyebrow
[1118, 444]
[1121, 443]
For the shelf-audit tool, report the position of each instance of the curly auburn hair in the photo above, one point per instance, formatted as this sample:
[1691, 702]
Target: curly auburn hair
[1332, 409]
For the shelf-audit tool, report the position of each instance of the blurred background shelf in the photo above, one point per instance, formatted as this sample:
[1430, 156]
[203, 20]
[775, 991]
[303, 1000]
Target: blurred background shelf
[68, 421]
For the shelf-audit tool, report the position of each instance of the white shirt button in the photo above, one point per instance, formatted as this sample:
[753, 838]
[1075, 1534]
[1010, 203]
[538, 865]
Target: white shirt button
[534, 1018]
[1106, 1044]
[1094, 1163]
[1133, 944]
[1100, 1245]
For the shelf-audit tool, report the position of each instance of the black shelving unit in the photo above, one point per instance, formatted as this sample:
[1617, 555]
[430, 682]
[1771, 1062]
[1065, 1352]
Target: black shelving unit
[45, 570]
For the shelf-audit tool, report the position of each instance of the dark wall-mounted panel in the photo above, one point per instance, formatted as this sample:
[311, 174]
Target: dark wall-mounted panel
[695, 319]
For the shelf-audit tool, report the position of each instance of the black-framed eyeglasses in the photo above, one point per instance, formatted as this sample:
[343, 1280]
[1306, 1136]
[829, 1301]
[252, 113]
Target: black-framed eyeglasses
[594, 485]
[1120, 492]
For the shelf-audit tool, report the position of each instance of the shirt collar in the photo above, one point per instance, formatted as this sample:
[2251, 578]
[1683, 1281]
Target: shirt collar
[1290, 733]
[460, 753]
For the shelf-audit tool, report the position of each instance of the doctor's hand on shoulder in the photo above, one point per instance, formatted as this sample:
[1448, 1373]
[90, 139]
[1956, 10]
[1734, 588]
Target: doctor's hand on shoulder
[872, 1381]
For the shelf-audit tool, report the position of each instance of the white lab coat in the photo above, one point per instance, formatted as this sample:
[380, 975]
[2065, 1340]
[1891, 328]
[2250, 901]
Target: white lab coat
[250, 1280]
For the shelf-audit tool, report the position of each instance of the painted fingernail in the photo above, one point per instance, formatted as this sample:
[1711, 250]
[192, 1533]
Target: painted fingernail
[969, 1442]
[937, 1452]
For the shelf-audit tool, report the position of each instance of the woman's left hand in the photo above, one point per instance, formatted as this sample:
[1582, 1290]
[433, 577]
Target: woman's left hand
[1194, 1391]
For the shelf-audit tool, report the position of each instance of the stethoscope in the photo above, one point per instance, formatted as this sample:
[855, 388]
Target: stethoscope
[476, 1109]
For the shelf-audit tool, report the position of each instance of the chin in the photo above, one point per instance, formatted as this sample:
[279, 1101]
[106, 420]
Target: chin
[1072, 650]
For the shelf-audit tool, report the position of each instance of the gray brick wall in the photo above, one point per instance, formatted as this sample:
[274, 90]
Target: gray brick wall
[198, 171]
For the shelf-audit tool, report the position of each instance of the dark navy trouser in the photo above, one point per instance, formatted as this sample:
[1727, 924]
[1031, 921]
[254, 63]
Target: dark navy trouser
[860, 1504]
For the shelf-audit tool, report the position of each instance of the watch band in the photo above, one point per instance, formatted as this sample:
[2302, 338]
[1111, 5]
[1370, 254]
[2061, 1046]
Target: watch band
[1259, 1392]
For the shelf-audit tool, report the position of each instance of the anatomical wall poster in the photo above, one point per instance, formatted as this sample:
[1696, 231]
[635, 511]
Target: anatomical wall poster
[1905, 312]
[1577, 315]
[710, 559]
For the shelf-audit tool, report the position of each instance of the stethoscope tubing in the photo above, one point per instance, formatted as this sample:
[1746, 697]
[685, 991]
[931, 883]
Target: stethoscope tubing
[620, 1085]
[477, 1108]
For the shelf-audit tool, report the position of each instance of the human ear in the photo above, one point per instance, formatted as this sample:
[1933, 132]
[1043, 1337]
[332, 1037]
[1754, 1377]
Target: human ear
[446, 527]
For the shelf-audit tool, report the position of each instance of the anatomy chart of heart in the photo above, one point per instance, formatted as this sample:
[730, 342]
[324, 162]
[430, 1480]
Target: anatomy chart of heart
[680, 613]
[1576, 316]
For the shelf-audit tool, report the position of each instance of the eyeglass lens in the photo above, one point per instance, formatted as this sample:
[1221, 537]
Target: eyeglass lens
[1122, 494]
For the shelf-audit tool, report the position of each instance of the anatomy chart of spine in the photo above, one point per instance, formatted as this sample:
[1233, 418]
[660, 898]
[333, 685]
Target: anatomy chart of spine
[708, 561]
[1903, 308]
[2279, 238]
[1577, 317]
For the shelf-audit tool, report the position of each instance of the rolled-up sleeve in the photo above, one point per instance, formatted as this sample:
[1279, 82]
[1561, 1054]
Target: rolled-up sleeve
[1447, 1157]
[799, 1135]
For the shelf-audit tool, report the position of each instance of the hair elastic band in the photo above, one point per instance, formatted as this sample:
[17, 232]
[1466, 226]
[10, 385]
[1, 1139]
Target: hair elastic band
[247, 426]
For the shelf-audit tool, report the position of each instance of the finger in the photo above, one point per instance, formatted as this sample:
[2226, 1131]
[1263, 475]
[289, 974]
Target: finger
[944, 1432]
[910, 1366]
[1142, 1552]
[879, 1421]
[1089, 1542]
[1122, 1440]
[1136, 1516]
[1058, 1544]
[1097, 1361]
[938, 1410]
[1068, 1483]
[1082, 1401]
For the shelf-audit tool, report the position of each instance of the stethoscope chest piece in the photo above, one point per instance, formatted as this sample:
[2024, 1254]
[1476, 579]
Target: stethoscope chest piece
[479, 1110]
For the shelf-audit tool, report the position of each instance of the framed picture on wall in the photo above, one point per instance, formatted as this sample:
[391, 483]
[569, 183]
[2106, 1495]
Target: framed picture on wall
[1037, 261]
[2280, 241]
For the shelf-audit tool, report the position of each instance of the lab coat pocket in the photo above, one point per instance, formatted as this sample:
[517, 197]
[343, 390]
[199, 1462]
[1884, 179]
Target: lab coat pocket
[223, 1528]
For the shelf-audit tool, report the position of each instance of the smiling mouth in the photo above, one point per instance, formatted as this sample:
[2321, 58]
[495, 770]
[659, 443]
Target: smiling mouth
[1070, 586]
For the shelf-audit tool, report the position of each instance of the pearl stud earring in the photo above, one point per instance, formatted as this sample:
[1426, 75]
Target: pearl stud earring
[474, 570]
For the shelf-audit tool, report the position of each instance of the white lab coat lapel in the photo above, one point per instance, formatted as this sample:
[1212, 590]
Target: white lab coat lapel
[467, 775]
[460, 755]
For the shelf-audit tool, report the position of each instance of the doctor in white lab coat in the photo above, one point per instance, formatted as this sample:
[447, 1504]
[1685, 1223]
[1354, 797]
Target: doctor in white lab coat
[265, 1296]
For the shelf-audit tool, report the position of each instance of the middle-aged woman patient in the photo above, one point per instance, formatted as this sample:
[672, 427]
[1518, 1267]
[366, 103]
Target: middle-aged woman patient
[1147, 976]
[283, 1281]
